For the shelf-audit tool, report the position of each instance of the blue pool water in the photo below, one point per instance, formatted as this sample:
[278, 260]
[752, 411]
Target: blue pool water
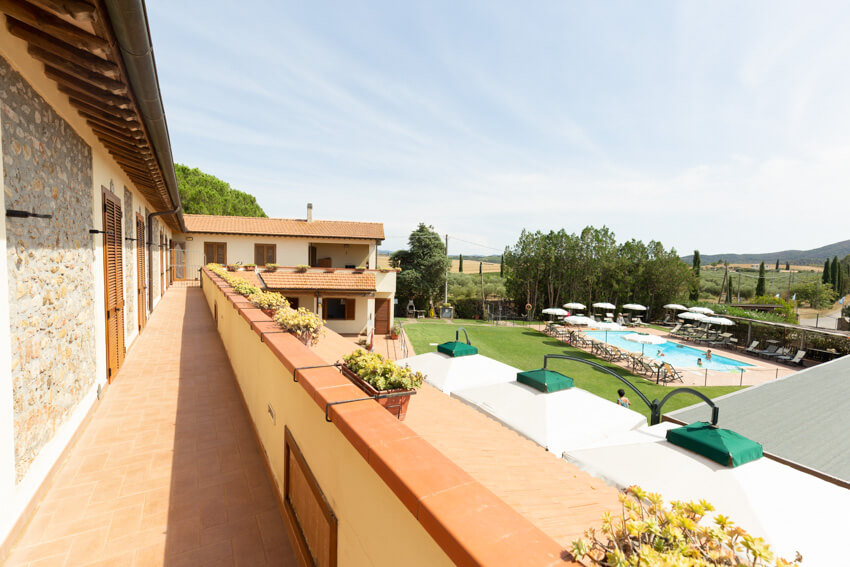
[680, 356]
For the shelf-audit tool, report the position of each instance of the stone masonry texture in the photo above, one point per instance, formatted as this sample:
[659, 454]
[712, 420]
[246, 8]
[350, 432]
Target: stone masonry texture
[47, 168]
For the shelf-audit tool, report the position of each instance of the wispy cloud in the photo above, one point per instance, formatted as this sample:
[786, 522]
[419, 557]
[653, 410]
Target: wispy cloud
[715, 126]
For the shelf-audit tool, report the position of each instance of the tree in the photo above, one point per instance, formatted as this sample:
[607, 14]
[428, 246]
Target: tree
[205, 194]
[827, 273]
[694, 295]
[834, 274]
[423, 266]
[502, 266]
[787, 266]
[760, 285]
[777, 264]
[460, 264]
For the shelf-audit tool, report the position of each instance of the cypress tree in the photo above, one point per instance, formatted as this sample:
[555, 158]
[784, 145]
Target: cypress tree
[760, 285]
[502, 266]
[833, 273]
[460, 264]
[777, 264]
[827, 272]
[787, 266]
[694, 295]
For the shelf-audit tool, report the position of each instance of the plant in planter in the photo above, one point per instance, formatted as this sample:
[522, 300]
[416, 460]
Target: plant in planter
[377, 375]
[360, 269]
[301, 268]
[233, 267]
[395, 331]
[271, 267]
[268, 301]
[242, 287]
[304, 324]
[250, 266]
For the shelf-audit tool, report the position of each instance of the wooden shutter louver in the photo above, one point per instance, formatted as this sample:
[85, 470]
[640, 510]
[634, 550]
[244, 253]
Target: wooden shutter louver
[114, 282]
[349, 309]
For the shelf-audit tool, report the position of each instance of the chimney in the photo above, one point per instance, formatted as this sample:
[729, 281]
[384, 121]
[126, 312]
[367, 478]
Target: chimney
[309, 212]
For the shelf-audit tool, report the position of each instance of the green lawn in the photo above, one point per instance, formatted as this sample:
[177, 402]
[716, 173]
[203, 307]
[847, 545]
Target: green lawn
[524, 349]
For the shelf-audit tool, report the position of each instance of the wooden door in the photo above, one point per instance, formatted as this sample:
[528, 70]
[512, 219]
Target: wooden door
[382, 316]
[113, 283]
[170, 262]
[141, 281]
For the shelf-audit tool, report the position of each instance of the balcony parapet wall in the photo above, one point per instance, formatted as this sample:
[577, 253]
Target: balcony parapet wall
[398, 500]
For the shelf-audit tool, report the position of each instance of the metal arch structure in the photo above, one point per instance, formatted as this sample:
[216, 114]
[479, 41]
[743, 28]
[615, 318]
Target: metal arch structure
[654, 405]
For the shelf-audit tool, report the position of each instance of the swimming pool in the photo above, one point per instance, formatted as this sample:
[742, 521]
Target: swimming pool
[680, 356]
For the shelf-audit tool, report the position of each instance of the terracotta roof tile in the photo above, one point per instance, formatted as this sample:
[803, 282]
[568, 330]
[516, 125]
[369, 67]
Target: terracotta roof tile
[312, 280]
[284, 227]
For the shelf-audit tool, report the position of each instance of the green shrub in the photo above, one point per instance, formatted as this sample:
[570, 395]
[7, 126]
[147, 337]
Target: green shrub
[383, 374]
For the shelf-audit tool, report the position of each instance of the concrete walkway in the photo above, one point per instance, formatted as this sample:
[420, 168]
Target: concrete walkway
[168, 471]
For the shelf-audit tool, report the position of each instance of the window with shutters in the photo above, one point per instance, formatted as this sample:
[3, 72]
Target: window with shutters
[215, 252]
[265, 254]
[338, 308]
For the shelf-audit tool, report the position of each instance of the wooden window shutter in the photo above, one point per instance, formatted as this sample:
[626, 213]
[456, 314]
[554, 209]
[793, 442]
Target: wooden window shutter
[271, 254]
[349, 309]
[259, 257]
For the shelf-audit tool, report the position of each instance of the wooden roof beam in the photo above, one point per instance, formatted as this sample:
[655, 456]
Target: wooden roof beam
[76, 9]
[121, 133]
[61, 49]
[55, 26]
[112, 112]
[69, 83]
[102, 116]
[126, 145]
[101, 81]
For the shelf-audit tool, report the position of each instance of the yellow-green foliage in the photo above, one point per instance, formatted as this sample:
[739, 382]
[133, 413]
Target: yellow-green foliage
[241, 286]
[238, 284]
[382, 373]
[301, 322]
[268, 300]
[653, 535]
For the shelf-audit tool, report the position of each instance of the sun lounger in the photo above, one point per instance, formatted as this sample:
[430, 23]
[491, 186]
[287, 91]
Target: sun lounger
[771, 348]
[675, 329]
[796, 359]
[669, 374]
[753, 348]
[778, 352]
[722, 340]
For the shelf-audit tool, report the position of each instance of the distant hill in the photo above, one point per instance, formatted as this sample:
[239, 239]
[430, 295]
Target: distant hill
[205, 194]
[801, 257]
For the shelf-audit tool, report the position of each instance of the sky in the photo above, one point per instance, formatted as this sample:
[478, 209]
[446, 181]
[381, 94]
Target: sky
[722, 126]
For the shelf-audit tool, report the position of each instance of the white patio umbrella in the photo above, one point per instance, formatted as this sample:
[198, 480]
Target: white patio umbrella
[449, 373]
[747, 493]
[604, 305]
[557, 311]
[644, 340]
[634, 307]
[579, 320]
[574, 305]
[604, 326]
[558, 421]
[691, 316]
[722, 321]
[675, 307]
[703, 310]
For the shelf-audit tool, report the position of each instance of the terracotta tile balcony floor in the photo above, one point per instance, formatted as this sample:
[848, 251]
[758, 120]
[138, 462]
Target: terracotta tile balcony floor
[168, 471]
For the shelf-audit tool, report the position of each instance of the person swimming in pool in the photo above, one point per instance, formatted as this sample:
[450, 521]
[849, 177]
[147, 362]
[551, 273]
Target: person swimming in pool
[699, 362]
[708, 354]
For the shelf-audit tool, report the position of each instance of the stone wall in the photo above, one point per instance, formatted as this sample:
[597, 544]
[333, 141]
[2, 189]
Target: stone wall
[131, 322]
[47, 169]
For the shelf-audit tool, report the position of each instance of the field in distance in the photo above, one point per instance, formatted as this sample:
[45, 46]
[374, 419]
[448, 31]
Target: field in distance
[469, 266]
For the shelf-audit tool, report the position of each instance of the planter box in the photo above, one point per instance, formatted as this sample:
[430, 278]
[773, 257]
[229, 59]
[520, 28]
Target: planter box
[397, 405]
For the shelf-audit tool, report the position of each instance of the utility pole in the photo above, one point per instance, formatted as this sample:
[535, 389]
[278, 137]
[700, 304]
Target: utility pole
[739, 287]
[483, 301]
[446, 298]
